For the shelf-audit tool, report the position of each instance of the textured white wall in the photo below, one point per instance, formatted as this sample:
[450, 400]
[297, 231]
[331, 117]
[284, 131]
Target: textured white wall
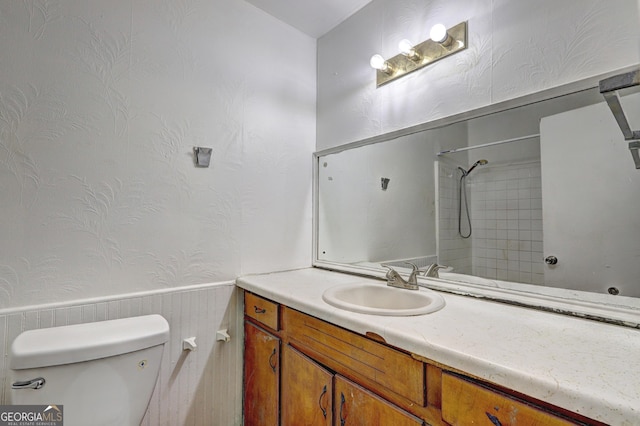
[515, 48]
[100, 106]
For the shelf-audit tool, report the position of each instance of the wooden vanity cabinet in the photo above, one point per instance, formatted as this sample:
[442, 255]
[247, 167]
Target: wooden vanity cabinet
[307, 390]
[326, 375]
[463, 402]
[356, 357]
[261, 362]
[312, 395]
[263, 311]
[261, 377]
[355, 405]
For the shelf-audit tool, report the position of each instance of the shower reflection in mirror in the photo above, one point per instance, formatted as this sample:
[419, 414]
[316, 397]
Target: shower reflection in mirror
[462, 198]
[498, 200]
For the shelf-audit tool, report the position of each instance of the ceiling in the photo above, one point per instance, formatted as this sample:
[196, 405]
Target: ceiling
[313, 17]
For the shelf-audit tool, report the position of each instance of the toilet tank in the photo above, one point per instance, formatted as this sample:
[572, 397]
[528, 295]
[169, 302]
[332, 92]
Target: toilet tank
[102, 373]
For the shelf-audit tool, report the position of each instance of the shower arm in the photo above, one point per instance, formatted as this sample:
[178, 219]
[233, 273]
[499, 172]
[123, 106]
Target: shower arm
[609, 89]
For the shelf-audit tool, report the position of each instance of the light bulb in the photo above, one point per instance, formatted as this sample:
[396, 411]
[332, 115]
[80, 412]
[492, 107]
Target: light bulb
[438, 33]
[406, 47]
[377, 62]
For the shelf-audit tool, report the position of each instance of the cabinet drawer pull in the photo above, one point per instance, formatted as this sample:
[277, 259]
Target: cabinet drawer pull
[324, 410]
[259, 310]
[272, 361]
[494, 419]
[342, 402]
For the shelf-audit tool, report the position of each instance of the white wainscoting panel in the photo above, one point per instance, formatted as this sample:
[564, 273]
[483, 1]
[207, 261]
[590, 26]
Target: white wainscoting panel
[202, 387]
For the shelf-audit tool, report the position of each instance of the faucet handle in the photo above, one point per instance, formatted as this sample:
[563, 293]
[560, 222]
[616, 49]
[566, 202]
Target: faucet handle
[413, 265]
[432, 270]
[392, 275]
[414, 273]
[391, 271]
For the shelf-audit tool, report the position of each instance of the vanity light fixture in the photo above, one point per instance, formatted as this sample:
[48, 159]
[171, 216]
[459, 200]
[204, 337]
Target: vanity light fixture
[443, 42]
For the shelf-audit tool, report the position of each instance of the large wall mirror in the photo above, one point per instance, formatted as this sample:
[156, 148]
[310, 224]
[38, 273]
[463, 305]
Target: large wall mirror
[534, 201]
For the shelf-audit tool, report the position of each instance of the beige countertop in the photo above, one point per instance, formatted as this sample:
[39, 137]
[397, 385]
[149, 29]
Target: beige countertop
[588, 367]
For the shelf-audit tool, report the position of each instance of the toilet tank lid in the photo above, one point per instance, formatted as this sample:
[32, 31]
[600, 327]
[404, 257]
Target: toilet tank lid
[84, 342]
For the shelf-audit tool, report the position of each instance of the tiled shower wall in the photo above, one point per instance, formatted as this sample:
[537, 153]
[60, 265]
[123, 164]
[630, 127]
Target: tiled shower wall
[506, 215]
[202, 387]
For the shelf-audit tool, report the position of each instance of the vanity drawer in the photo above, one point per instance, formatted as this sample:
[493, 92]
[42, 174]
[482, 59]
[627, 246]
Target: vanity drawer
[465, 403]
[356, 356]
[262, 310]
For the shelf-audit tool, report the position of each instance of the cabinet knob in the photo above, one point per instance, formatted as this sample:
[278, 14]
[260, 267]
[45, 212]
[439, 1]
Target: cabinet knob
[551, 260]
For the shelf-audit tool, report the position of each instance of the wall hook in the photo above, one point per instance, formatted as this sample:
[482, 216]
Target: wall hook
[385, 183]
[202, 156]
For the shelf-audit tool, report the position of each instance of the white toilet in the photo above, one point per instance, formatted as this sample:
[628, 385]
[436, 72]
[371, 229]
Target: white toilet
[102, 373]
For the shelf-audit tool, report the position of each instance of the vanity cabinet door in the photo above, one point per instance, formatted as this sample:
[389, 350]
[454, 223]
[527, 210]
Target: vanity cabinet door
[356, 406]
[307, 391]
[261, 377]
[465, 403]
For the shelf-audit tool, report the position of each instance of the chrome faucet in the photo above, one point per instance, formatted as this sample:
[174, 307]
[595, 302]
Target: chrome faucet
[432, 270]
[394, 279]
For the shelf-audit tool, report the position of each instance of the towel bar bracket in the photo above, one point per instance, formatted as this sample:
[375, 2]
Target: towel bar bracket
[609, 89]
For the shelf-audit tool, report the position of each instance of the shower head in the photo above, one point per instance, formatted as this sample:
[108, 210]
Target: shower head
[476, 164]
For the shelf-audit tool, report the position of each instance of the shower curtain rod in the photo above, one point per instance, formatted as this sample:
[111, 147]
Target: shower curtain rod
[521, 138]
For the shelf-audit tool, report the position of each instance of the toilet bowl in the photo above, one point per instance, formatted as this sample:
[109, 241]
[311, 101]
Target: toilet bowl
[101, 373]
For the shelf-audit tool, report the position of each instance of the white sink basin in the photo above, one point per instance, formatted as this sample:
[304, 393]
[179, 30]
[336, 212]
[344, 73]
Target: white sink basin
[380, 299]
